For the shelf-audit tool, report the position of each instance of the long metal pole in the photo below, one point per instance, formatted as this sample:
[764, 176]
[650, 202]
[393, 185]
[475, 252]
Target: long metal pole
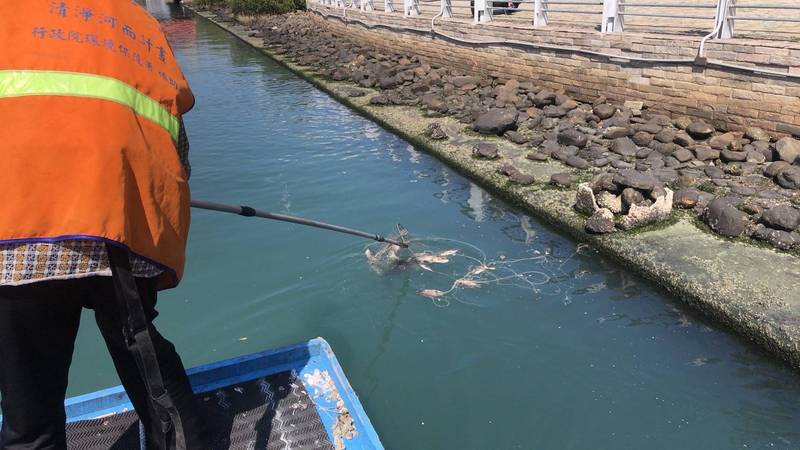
[247, 211]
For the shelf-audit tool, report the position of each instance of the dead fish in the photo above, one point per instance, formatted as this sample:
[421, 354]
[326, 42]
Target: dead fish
[478, 270]
[431, 293]
[435, 258]
[425, 266]
[431, 259]
[461, 282]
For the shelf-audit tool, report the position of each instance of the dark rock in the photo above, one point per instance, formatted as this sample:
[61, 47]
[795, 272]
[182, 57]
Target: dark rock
[434, 102]
[642, 138]
[601, 162]
[666, 175]
[522, 178]
[700, 130]
[631, 197]
[388, 82]
[536, 156]
[650, 127]
[725, 219]
[485, 150]
[515, 137]
[686, 198]
[683, 139]
[544, 98]
[783, 217]
[635, 179]
[773, 169]
[460, 82]
[624, 146]
[563, 180]
[666, 135]
[705, 153]
[616, 132]
[604, 182]
[777, 238]
[682, 154]
[496, 121]
[648, 153]
[577, 162]
[354, 91]
[604, 111]
[770, 195]
[554, 112]
[380, 100]
[742, 190]
[602, 221]
[515, 175]
[549, 147]
[789, 178]
[658, 192]
[435, 132]
[731, 156]
[664, 149]
[788, 149]
[572, 137]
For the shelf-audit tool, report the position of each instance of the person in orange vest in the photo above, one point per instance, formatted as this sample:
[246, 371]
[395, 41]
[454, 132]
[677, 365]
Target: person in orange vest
[95, 212]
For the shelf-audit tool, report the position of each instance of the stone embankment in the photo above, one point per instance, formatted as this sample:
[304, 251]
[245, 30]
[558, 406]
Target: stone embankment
[750, 172]
[594, 170]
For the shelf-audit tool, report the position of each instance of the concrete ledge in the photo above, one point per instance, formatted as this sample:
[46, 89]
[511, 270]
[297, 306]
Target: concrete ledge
[753, 290]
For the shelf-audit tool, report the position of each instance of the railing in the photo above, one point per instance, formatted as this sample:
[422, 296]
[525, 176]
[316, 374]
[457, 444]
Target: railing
[609, 16]
[732, 14]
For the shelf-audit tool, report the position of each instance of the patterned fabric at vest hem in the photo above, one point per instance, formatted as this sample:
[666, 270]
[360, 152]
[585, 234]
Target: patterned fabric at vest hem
[29, 263]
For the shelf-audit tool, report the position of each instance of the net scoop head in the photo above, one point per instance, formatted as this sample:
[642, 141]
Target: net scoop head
[390, 256]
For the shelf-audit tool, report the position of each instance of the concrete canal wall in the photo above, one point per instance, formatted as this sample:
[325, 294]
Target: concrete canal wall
[568, 59]
[753, 289]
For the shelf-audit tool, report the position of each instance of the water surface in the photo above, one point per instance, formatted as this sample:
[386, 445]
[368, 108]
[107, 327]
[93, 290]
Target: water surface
[593, 357]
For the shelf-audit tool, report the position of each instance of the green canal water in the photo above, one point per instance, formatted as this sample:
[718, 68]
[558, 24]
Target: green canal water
[574, 352]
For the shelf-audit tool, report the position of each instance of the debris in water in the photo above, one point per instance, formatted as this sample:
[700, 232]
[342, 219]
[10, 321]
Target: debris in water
[462, 282]
[478, 270]
[470, 268]
[432, 293]
[343, 428]
[431, 258]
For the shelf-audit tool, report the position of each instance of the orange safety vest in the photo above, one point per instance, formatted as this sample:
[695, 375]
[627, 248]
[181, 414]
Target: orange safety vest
[90, 104]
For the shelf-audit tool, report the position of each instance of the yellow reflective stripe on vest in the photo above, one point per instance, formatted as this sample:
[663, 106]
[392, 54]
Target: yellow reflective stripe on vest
[21, 83]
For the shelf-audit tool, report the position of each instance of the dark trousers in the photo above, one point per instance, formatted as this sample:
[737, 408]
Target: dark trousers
[38, 326]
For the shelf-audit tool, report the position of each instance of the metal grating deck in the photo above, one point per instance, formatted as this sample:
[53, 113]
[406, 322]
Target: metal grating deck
[268, 413]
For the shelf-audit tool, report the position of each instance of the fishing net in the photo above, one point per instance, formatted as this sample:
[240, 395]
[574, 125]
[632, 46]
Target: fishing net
[460, 271]
[386, 257]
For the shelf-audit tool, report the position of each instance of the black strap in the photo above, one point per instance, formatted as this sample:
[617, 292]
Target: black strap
[137, 333]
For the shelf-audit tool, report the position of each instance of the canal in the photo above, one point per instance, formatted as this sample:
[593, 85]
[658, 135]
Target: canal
[565, 350]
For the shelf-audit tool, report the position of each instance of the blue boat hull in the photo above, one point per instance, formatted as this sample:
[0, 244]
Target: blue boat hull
[312, 362]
